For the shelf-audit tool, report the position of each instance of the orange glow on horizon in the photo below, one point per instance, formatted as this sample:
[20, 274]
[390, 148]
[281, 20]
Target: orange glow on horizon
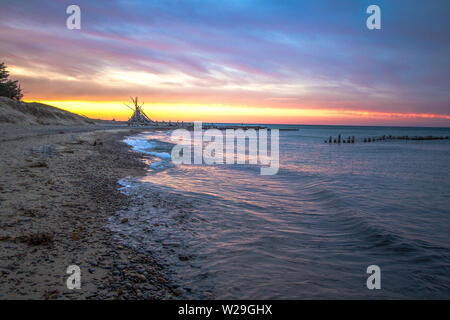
[108, 110]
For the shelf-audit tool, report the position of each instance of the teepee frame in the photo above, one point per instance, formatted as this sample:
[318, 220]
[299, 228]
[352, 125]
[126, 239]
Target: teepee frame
[139, 118]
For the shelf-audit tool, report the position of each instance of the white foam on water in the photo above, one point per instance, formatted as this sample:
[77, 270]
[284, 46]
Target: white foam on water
[161, 155]
[140, 145]
[152, 148]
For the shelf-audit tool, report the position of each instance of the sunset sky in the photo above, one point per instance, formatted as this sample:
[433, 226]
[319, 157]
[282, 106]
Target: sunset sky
[299, 62]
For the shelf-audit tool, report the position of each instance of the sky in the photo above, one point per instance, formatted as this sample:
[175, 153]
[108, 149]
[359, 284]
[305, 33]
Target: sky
[260, 61]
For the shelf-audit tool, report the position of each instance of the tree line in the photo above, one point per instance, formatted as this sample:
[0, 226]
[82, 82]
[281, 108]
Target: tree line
[9, 88]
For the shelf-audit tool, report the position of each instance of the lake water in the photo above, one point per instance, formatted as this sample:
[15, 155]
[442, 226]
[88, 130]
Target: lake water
[310, 231]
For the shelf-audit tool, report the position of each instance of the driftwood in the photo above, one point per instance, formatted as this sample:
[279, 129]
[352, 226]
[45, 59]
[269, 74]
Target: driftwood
[138, 118]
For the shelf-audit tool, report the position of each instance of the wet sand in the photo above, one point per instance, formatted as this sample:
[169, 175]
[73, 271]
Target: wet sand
[58, 187]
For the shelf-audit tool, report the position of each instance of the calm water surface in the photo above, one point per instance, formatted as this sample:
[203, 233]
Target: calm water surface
[311, 230]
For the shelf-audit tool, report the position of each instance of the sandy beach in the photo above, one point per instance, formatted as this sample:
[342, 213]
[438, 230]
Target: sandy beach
[218, 158]
[57, 189]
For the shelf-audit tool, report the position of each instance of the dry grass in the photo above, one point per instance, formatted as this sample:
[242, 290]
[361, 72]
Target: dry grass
[36, 239]
[32, 239]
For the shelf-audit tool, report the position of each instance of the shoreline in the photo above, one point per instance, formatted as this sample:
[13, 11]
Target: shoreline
[57, 192]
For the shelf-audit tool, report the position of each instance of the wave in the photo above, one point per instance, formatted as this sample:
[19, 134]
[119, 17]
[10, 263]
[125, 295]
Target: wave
[322, 224]
[154, 148]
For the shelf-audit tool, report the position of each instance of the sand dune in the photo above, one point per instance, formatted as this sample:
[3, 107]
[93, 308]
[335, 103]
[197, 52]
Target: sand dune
[33, 113]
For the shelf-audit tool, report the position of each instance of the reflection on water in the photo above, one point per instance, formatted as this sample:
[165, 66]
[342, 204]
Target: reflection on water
[310, 231]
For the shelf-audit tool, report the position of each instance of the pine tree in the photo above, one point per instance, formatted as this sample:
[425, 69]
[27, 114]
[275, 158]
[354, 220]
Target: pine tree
[9, 88]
